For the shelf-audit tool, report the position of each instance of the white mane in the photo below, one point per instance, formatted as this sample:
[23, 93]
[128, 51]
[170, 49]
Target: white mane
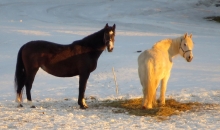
[170, 45]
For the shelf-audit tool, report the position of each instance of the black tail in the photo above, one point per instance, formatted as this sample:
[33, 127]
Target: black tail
[19, 74]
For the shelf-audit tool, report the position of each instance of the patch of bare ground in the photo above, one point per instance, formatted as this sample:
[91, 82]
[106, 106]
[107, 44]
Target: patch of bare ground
[213, 18]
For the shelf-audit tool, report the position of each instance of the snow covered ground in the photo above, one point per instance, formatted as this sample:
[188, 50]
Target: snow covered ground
[139, 24]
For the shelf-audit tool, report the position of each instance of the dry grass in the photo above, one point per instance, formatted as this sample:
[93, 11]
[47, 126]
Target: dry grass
[133, 107]
[214, 18]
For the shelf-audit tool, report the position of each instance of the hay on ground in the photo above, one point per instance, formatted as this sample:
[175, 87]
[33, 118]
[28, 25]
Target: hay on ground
[133, 107]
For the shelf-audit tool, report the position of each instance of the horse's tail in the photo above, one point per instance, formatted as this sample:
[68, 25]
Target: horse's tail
[151, 84]
[20, 76]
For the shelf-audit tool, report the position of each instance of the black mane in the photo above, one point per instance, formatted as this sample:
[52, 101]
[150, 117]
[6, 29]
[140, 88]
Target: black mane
[94, 40]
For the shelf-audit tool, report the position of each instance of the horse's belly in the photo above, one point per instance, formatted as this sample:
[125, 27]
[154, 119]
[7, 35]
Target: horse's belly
[60, 71]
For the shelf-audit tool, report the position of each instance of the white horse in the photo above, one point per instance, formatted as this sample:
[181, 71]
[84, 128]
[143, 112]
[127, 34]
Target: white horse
[154, 66]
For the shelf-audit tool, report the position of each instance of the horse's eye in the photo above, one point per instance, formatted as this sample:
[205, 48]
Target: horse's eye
[184, 44]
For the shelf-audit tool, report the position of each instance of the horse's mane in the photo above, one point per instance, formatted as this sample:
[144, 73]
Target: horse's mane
[93, 40]
[166, 43]
[91, 36]
[162, 43]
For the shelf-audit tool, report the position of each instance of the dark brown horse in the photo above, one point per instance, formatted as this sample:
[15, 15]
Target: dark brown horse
[79, 58]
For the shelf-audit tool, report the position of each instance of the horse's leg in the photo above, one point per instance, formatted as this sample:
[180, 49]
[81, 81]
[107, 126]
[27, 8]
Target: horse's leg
[19, 90]
[163, 89]
[144, 102]
[142, 77]
[28, 84]
[155, 98]
[82, 87]
[19, 97]
[152, 87]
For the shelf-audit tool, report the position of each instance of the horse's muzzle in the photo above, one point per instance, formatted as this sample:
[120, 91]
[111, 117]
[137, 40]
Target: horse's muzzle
[110, 49]
[189, 59]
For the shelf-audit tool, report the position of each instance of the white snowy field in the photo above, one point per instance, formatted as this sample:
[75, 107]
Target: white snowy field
[139, 24]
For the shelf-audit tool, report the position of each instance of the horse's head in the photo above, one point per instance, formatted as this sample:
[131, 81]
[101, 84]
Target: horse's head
[109, 37]
[186, 46]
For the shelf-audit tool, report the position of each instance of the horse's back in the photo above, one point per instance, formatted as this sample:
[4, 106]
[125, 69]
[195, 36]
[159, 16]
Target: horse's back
[37, 54]
[39, 50]
[42, 46]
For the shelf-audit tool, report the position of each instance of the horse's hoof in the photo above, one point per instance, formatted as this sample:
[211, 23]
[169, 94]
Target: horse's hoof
[20, 105]
[162, 105]
[32, 107]
[83, 107]
[146, 108]
[143, 107]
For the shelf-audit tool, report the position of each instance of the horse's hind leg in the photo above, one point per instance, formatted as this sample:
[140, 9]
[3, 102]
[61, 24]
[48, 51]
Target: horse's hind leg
[151, 88]
[144, 102]
[163, 89]
[19, 92]
[19, 98]
[142, 77]
[155, 99]
[28, 83]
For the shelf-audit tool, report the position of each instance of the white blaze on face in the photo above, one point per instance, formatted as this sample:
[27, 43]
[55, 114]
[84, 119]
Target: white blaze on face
[111, 32]
[111, 44]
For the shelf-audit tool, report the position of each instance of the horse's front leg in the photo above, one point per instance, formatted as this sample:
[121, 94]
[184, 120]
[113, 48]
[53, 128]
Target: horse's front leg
[82, 87]
[163, 89]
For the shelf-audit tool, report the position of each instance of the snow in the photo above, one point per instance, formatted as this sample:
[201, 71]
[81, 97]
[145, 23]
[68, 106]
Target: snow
[139, 24]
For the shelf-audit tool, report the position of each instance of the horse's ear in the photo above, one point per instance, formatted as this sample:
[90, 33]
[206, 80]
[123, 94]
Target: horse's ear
[114, 26]
[190, 35]
[106, 25]
[185, 35]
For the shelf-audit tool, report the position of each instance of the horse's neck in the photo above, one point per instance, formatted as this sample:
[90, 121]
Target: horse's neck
[170, 46]
[175, 46]
[95, 41]
[92, 43]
